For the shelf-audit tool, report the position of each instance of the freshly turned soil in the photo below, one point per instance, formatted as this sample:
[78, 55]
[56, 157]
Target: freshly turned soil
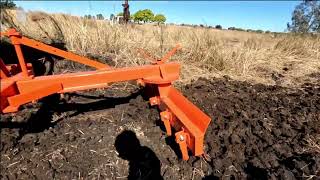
[257, 132]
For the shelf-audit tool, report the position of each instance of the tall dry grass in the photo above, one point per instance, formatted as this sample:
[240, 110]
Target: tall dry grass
[259, 58]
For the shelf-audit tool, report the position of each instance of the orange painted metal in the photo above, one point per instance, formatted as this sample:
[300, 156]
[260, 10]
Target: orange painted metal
[167, 119]
[35, 93]
[16, 38]
[154, 60]
[147, 56]
[3, 75]
[4, 72]
[181, 139]
[154, 101]
[3, 33]
[170, 53]
[20, 86]
[189, 118]
[8, 89]
[15, 41]
[100, 78]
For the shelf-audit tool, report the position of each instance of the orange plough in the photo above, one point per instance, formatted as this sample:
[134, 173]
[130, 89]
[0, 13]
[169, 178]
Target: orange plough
[19, 86]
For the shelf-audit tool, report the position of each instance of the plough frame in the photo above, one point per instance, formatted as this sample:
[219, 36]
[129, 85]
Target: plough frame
[19, 86]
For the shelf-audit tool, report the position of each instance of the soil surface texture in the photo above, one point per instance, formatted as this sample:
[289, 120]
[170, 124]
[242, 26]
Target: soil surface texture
[257, 132]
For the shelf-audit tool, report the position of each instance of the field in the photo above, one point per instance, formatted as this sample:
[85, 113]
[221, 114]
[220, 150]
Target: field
[262, 92]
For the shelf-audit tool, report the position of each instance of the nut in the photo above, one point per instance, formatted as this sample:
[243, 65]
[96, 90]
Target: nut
[181, 138]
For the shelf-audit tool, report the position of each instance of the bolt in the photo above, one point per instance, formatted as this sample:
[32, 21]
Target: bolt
[181, 138]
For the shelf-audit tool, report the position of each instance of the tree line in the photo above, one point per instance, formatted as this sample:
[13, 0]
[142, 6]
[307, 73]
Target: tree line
[145, 16]
[98, 16]
[141, 16]
[305, 17]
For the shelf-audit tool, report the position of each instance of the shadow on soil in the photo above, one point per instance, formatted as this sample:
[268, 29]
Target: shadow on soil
[35, 122]
[102, 103]
[42, 118]
[258, 132]
[143, 162]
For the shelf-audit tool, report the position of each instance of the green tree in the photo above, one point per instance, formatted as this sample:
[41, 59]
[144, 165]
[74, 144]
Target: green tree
[218, 26]
[145, 15]
[159, 18]
[7, 4]
[120, 14]
[305, 17]
[100, 17]
[88, 16]
[137, 17]
[111, 17]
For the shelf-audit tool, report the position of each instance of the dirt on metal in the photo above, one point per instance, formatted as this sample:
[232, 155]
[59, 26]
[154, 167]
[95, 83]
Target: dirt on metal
[257, 131]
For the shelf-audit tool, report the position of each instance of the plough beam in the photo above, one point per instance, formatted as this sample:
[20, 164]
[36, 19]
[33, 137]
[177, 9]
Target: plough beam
[19, 86]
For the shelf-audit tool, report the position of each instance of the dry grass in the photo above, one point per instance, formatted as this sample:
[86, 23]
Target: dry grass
[205, 53]
[314, 144]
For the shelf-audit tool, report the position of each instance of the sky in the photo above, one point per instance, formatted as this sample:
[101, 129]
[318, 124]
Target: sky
[264, 15]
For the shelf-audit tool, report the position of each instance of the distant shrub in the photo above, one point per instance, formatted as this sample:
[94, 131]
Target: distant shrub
[268, 32]
[218, 27]
[201, 25]
[259, 31]
[236, 29]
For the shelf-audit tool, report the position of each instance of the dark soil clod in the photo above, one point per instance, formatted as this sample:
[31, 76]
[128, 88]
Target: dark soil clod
[257, 132]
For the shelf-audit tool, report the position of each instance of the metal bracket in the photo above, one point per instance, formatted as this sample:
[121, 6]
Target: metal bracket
[154, 101]
[181, 139]
[166, 117]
